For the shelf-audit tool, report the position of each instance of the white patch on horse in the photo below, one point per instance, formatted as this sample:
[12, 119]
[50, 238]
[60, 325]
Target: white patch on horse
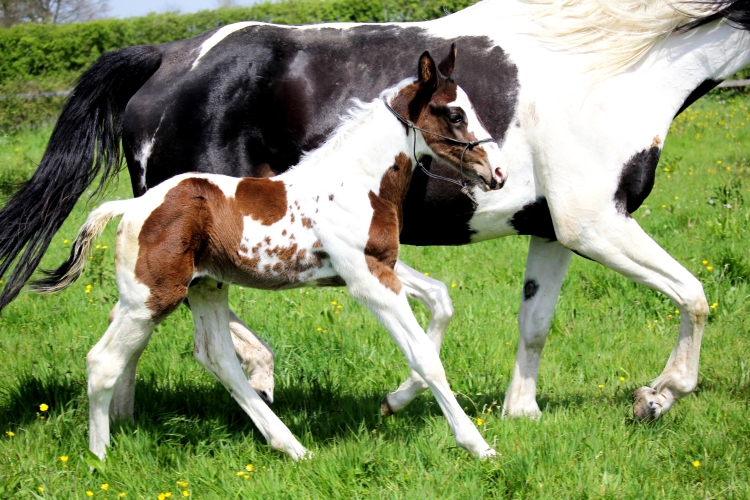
[217, 37]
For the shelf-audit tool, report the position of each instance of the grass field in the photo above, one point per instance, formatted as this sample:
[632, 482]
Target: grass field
[334, 364]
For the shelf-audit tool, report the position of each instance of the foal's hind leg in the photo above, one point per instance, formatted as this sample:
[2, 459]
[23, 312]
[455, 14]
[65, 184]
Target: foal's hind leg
[434, 295]
[209, 302]
[545, 270]
[123, 341]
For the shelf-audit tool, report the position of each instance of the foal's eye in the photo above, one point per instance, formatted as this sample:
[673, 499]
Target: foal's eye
[455, 118]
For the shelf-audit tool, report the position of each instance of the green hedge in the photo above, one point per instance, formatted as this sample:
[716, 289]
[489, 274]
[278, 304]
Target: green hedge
[31, 50]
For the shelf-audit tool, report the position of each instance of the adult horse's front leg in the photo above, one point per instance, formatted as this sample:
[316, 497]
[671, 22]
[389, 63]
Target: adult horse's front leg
[546, 265]
[434, 295]
[618, 242]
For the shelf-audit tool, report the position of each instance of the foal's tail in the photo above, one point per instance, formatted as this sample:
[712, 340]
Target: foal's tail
[84, 144]
[65, 275]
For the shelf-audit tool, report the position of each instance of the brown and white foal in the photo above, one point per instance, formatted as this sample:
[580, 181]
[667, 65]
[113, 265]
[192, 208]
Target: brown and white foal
[334, 219]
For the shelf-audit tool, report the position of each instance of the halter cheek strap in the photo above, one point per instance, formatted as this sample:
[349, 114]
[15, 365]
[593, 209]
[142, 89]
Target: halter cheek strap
[467, 145]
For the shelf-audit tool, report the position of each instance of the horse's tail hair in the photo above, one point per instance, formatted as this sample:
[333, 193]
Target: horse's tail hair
[65, 275]
[85, 143]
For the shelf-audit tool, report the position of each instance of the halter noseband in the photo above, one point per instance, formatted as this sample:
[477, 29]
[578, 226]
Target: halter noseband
[466, 144]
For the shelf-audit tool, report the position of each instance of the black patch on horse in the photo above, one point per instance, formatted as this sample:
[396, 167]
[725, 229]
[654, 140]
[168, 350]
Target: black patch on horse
[636, 180]
[534, 219]
[704, 88]
[529, 289]
[266, 94]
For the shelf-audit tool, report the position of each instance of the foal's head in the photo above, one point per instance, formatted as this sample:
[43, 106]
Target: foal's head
[452, 130]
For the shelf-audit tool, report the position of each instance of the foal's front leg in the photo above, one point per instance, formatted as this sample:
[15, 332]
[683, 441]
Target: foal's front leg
[386, 299]
[434, 295]
[214, 350]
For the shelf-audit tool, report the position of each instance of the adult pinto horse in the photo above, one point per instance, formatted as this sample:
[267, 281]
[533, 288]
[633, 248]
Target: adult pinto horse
[579, 93]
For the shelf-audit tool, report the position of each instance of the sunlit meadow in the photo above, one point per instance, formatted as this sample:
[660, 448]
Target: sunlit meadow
[334, 364]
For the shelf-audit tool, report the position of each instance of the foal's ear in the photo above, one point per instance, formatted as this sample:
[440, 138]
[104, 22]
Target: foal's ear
[448, 64]
[428, 73]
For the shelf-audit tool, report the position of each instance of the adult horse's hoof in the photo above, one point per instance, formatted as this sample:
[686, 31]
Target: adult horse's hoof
[385, 408]
[646, 405]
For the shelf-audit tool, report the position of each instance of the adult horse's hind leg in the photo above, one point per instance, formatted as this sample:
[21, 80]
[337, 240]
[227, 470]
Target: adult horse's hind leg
[434, 295]
[618, 242]
[546, 265]
[123, 341]
[209, 303]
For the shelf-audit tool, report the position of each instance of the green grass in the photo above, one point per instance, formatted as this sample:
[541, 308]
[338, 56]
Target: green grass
[329, 385]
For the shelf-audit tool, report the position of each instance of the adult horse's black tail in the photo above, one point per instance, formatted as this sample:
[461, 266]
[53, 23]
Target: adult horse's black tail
[84, 144]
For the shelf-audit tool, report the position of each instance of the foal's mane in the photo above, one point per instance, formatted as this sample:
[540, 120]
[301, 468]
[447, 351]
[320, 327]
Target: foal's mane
[357, 115]
[622, 32]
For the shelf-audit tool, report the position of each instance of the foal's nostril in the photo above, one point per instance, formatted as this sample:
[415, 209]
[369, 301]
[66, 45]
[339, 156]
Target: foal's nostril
[493, 183]
[499, 175]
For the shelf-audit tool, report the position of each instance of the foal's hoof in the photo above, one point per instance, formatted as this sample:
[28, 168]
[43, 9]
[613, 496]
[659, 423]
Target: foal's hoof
[646, 404]
[385, 408]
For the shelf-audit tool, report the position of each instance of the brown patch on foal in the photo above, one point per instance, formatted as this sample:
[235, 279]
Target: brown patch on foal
[198, 227]
[262, 199]
[381, 251]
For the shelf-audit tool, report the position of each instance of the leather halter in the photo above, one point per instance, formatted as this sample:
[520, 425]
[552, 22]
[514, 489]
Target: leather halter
[466, 144]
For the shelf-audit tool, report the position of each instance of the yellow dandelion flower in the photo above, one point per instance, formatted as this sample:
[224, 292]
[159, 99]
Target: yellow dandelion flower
[43, 407]
[704, 262]
[249, 467]
[669, 316]
[697, 464]
[480, 421]
[241, 473]
[453, 285]
[677, 311]
[709, 268]
[98, 247]
[663, 206]
[89, 493]
[336, 313]
[64, 458]
[334, 303]
[246, 476]
[182, 484]
[622, 379]
[320, 329]
[339, 306]
[426, 274]
[10, 433]
[714, 305]
[122, 494]
[676, 197]
[40, 489]
[185, 493]
[489, 410]
[105, 487]
[65, 242]
[168, 494]
[161, 496]
[718, 162]
[601, 386]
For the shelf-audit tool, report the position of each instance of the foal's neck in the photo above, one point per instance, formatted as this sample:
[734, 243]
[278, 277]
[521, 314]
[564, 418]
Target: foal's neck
[364, 148]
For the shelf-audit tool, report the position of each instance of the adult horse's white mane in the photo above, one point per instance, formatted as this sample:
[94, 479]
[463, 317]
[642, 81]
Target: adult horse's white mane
[618, 32]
